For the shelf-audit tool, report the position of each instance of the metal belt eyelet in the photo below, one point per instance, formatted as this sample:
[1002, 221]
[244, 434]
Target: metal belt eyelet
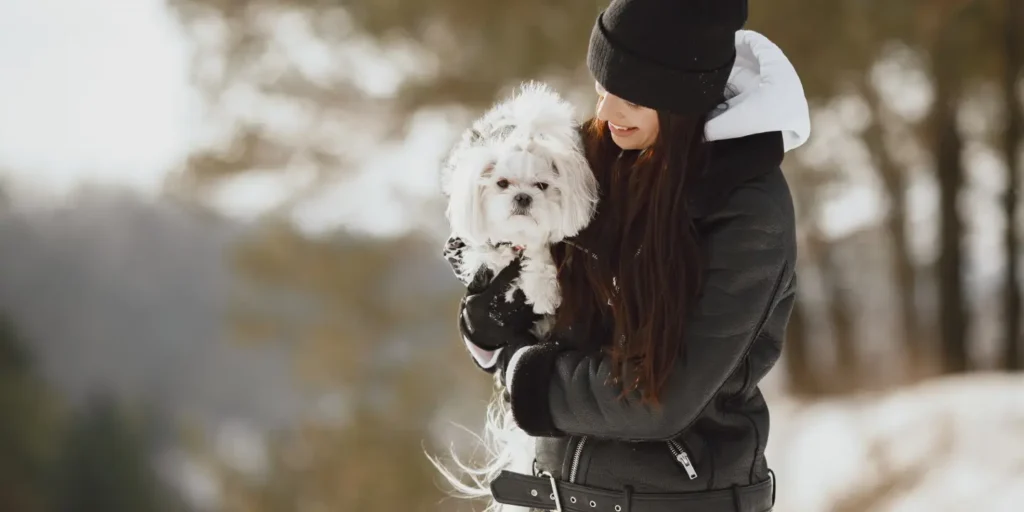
[554, 490]
[593, 504]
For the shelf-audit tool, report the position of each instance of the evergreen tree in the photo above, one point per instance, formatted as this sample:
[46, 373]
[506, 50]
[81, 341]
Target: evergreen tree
[105, 464]
[27, 427]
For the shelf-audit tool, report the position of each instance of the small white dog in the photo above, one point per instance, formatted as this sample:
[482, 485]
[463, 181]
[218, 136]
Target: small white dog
[517, 182]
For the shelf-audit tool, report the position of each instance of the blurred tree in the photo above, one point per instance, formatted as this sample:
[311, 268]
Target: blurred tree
[105, 464]
[311, 62]
[840, 313]
[857, 32]
[28, 428]
[1013, 143]
[348, 75]
[373, 461]
[801, 377]
[860, 32]
[472, 50]
[894, 179]
[805, 374]
[368, 320]
[962, 53]
[948, 150]
[954, 35]
[346, 306]
[336, 298]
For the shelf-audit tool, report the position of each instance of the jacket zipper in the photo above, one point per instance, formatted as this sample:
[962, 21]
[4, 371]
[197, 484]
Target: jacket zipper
[683, 458]
[576, 459]
[677, 452]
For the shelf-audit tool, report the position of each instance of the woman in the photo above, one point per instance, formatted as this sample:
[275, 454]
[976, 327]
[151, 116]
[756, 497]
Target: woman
[677, 295]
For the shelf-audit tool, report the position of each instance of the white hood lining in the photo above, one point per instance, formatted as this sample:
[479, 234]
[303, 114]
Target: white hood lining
[768, 95]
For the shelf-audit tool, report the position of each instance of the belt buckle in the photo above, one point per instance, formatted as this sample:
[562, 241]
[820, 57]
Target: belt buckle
[554, 489]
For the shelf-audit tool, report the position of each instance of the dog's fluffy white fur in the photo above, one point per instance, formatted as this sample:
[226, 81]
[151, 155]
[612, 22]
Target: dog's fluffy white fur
[517, 181]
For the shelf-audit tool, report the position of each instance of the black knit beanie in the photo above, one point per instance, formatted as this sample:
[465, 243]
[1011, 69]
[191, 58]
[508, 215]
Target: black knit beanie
[673, 55]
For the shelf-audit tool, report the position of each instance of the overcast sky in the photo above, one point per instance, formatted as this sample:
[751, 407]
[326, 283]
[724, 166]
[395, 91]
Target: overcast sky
[97, 89]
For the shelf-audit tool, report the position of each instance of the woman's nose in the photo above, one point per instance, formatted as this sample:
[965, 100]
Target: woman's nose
[602, 108]
[606, 107]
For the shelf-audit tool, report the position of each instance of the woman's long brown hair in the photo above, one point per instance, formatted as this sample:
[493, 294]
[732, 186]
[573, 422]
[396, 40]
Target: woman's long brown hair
[634, 272]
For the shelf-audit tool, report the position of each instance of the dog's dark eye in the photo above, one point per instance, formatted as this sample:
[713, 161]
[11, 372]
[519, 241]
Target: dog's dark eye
[541, 185]
[503, 183]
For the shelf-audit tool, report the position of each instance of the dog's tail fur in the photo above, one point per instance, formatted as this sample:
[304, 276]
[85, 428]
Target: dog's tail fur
[506, 447]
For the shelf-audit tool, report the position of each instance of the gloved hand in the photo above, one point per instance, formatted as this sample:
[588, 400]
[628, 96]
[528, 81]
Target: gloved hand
[491, 322]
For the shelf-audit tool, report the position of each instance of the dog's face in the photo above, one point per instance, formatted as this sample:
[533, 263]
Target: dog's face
[519, 175]
[525, 192]
[522, 199]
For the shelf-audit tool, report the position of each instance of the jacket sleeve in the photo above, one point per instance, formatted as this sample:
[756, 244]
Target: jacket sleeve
[750, 242]
[452, 253]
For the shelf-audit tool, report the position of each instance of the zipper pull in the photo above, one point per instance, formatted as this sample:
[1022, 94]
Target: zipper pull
[684, 459]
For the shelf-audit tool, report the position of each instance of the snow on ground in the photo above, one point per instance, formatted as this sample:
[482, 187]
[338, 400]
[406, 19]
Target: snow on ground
[951, 444]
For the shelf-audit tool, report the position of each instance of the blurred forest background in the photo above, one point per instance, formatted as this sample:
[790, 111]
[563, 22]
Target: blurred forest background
[272, 330]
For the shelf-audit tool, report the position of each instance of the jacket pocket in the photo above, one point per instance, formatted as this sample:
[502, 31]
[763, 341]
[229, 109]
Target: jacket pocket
[647, 466]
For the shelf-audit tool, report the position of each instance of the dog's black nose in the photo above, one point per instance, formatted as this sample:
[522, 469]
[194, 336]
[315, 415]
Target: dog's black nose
[523, 200]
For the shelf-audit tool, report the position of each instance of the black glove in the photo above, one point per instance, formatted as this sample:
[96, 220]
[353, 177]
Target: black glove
[489, 321]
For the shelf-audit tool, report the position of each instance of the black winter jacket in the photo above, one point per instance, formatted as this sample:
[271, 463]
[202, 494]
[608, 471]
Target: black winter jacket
[711, 429]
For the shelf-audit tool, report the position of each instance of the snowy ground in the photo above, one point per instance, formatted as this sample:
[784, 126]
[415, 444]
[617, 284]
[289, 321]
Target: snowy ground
[955, 444]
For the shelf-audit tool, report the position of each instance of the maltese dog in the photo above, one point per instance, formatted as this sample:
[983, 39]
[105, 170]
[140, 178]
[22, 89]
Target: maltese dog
[517, 182]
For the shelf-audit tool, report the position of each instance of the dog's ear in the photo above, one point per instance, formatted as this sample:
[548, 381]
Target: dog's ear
[579, 192]
[466, 200]
[470, 139]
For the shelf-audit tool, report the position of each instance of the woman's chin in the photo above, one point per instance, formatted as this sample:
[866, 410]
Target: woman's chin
[628, 142]
[625, 145]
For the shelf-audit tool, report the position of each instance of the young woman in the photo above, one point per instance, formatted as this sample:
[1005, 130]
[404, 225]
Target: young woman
[677, 295]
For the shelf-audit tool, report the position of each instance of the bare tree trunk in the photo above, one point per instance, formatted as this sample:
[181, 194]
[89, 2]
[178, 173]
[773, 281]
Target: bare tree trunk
[948, 151]
[895, 181]
[1014, 39]
[840, 314]
[800, 375]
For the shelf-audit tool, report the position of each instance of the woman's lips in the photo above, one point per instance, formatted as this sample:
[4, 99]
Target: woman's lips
[621, 130]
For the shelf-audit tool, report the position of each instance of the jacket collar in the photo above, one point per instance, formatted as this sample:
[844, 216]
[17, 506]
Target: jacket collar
[734, 162]
[765, 115]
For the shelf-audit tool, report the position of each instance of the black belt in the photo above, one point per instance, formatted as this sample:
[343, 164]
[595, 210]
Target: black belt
[546, 493]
